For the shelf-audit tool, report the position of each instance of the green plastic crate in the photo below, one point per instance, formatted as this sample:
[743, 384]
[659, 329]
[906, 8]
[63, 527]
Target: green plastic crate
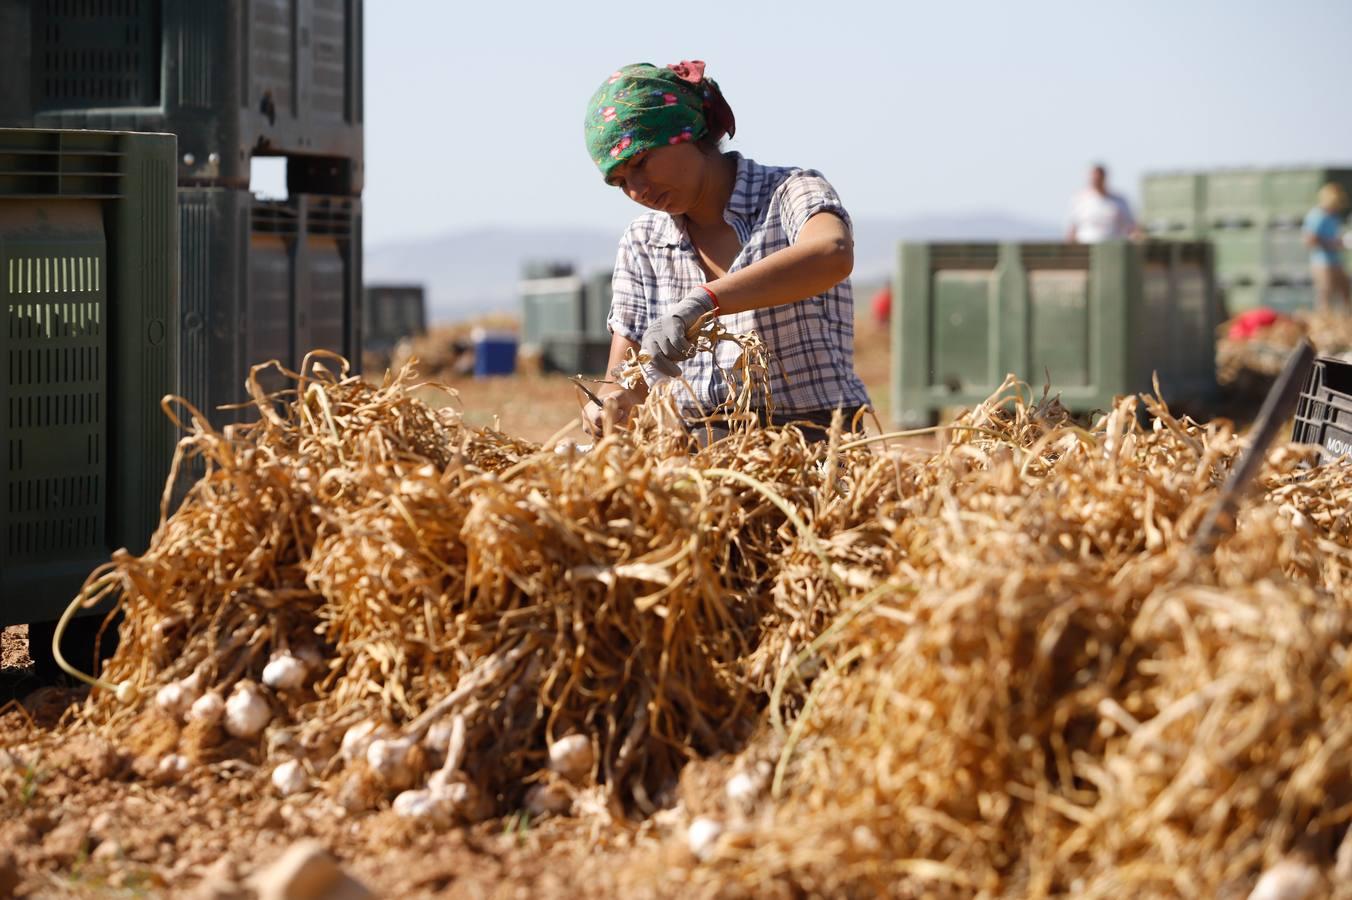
[89, 280]
[551, 307]
[1174, 205]
[1237, 198]
[1098, 319]
[1288, 259]
[598, 305]
[1281, 296]
[1291, 193]
[1242, 254]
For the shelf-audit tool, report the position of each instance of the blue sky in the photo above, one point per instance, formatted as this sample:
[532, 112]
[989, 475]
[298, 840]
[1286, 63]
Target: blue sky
[474, 110]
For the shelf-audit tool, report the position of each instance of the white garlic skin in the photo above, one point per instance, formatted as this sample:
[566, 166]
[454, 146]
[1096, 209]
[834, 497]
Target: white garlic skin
[702, 836]
[388, 759]
[1289, 879]
[207, 708]
[176, 697]
[460, 795]
[572, 756]
[544, 799]
[173, 764]
[357, 739]
[284, 672]
[422, 805]
[442, 781]
[743, 788]
[247, 711]
[192, 686]
[171, 700]
[290, 778]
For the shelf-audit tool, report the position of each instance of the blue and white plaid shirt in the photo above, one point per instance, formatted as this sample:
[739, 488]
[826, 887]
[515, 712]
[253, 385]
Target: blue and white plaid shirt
[811, 342]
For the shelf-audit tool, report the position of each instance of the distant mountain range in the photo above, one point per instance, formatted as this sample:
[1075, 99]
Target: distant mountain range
[470, 273]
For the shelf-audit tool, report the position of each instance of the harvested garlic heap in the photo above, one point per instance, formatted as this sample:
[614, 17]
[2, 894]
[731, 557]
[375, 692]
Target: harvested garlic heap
[355, 520]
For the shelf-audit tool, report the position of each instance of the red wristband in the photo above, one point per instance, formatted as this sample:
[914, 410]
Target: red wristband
[712, 296]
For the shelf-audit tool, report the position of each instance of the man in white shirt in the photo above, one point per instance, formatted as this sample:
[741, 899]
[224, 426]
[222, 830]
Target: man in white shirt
[1097, 214]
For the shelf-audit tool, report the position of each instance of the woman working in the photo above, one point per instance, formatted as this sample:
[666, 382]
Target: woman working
[765, 248]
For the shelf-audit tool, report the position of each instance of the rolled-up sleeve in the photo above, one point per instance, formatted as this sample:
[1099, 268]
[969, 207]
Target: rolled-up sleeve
[804, 194]
[631, 285]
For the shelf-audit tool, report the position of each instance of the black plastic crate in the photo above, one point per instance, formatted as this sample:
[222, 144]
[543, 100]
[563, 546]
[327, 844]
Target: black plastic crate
[390, 313]
[1324, 413]
[232, 78]
[89, 283]
[263, 280]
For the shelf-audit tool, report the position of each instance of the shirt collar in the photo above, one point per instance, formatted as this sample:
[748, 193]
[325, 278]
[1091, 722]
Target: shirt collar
[745, 199]
[743, 202]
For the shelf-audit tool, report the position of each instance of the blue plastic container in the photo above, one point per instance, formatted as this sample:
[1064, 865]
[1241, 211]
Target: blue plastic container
[494, 354]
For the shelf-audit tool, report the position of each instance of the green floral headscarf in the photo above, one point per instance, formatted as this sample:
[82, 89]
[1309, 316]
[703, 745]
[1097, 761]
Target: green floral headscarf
[641, 107]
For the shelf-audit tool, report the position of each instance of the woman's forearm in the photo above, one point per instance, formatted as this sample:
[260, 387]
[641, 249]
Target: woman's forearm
[822, 258]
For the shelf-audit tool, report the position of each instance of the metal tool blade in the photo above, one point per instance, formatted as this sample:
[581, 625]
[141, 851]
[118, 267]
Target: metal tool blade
[1278, 406]
[577, 380]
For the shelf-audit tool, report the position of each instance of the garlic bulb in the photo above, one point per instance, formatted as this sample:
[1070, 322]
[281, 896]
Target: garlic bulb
[247, 711]
[172, 766]
[466, 802]
[702, 836]
[290, 778]
[192, 685]
[443, 780]
[356, 739]
[284, 672]
[742, 788]
[423, 805]
[170, 699]
[1289, 879]
[176, 696]
[208, 708]
[548, 798]
[389, 760]
[572, 757]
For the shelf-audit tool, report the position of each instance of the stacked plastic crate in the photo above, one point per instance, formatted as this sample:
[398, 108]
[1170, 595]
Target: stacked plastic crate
[261, 279]
[1093, 322]
[88, 278]
[563, 317]
[390, 313]
[1253, 218]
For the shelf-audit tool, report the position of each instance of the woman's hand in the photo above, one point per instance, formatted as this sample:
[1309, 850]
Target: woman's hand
[667, 341]
[618, 406]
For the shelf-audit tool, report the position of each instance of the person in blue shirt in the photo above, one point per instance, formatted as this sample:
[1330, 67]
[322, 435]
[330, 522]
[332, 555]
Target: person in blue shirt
[1323, 235]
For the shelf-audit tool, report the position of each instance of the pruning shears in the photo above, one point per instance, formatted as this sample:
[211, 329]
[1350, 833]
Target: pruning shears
[591, 395]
